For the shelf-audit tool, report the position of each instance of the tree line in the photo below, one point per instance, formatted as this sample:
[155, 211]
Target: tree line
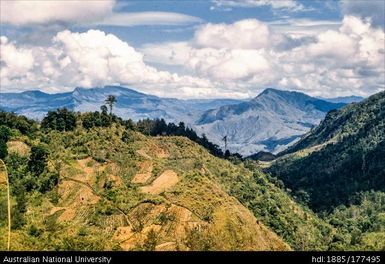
[63, 119]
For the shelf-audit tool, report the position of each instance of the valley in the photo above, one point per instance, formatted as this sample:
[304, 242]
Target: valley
[109, 186]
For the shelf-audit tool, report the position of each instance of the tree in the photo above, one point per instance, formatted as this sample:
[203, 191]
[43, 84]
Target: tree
[110, 101]
[104, 109]
[3, 149]
[61, 120]
[21, 123]
[38, 159]
[5, 134]
[89, 120]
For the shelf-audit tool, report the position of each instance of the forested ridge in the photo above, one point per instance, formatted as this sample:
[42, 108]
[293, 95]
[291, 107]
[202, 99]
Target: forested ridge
[338, 170]
[351, 160]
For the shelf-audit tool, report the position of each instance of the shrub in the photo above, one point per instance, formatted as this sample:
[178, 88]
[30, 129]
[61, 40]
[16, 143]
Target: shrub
[151, 241]
[34, 231]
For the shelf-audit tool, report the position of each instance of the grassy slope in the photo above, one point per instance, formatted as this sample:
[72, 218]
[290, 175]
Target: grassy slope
[96, 205]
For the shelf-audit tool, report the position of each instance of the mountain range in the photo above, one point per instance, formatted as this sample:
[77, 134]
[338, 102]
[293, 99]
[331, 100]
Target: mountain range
[111, 187]
[272, 121]
[130, 103]
[344, 99]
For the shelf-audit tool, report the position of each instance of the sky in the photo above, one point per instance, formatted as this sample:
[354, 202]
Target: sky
[194, 49]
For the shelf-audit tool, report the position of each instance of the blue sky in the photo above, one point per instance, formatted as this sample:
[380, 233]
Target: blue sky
[208, 12]
[195, 49]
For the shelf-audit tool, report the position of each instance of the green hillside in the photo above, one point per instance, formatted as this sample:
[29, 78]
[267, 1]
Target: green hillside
[364, 120]
[338, 170]
[344, 155]
[110, 187]
[93, 181]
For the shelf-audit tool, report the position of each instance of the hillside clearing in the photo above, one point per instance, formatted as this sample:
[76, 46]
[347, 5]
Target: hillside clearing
[162, 183]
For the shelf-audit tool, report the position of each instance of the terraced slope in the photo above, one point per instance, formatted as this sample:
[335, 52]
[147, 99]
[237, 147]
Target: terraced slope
[150, 194]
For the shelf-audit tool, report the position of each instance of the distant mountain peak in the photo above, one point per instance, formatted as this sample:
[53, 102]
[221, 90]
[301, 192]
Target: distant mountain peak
[274, 91]
[270, 122]
[269, 91]
[35, 92]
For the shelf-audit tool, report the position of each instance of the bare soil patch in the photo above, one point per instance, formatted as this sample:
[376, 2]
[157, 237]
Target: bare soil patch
[145, 172]
[163, 182]
[143, 153]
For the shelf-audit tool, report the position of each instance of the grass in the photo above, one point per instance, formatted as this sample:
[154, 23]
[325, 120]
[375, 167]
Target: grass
[202, 205]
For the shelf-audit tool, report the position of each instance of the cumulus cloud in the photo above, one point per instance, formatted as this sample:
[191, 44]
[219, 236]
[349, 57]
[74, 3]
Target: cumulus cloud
[21, 12]
[287, 5]
[221, 60]
[221, 52]
[372, 9]
[88, 59]
[17, 61]
[337, 61]
[254, 35]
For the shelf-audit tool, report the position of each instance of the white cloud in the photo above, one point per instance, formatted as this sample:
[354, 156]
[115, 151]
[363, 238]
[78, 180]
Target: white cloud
[248, 57]
[148, 18]
[22, 12]
[221, 52]
[90, 12]
[88, 59]
[372, 9]
[17, 61]
[254, 35]
[336, 61]
[224, 53]
[332, 44]
[287, 5]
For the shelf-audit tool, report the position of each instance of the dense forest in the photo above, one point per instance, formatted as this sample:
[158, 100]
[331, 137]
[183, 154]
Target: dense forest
[338, 170]
[351, 160]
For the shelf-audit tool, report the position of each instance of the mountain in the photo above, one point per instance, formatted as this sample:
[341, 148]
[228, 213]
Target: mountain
[131, 104]
[35, 104]
[271, 122]
[344, 99]
[339, 159]
[113, 188]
